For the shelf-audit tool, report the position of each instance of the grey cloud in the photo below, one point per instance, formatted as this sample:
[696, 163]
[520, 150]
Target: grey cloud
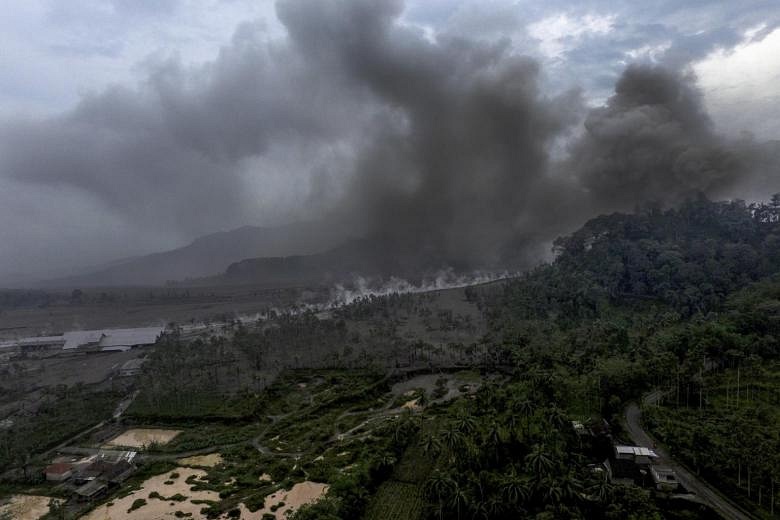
[173, 152]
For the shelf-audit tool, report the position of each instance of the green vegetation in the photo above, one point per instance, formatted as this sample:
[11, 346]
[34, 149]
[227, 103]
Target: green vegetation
[196, 381]
[178, 497]
[64, 412]
[138, 503]
[732, 434]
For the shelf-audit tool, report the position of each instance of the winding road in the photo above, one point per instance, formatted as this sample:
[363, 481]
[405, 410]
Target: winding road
[708, 494]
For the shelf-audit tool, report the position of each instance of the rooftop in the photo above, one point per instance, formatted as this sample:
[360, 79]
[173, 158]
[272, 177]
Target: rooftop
[112, 338]
[91, 488]
[663, 473]
[635, 451]
[58, 468]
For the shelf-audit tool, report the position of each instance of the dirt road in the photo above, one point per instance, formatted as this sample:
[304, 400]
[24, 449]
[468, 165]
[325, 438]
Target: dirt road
[692, 483]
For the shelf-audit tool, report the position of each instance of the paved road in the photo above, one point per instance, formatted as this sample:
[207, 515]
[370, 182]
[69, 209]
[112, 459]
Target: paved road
[692, 483]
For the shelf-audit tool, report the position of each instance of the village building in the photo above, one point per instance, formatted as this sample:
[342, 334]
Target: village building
[664, 478]
[112, 339]
[109, 466]
[630, 464]
[91, 490]
[58, 472]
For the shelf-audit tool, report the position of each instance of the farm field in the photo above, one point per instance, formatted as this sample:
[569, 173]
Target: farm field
[323, 430]
[397, 501]
[203, 461]
[143, 438]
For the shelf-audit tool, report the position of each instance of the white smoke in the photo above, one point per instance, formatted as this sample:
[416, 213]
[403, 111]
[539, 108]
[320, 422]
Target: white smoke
[360, 288]
[445, 279]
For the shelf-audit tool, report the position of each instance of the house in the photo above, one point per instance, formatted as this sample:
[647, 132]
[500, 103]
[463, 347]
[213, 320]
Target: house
[630, 464]
[125, 339]
[664, 478]
[638, 454]
[82, 339]
[112, 339]
[107, 471]
[91, 490]
[58, 472]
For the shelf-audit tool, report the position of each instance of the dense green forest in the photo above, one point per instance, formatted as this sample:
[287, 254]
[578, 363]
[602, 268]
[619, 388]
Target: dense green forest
[679, 300]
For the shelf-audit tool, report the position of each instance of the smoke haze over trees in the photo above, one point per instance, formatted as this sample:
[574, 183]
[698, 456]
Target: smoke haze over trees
[447, 144]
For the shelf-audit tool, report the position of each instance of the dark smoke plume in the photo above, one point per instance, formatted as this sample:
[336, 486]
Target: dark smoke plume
[459, 147]
[653, 141]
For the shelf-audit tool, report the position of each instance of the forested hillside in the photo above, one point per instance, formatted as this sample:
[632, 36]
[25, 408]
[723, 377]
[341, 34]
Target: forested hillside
[677, 300]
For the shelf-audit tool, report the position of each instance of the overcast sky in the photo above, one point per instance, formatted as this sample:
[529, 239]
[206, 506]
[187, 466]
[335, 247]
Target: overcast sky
[131, 126]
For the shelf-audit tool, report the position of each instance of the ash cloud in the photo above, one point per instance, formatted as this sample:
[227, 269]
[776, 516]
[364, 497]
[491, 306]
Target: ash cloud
[653, 141]
[459, 148]
[441, 143]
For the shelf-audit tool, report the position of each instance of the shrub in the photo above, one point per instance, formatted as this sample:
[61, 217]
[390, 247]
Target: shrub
[137, 504]
[255, 502]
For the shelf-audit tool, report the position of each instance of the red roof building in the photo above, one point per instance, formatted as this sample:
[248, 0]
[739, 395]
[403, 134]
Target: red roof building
[58, 472]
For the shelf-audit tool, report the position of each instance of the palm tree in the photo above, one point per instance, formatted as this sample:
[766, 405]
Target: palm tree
[493, 439]
[465, 424]
[527, 408]
[600, 490]
[458, 498]
[557, 417]
[571, 487]
[553, 493]
[439, 485]
[514, 488]
[539, 460]
[453, 439]
[431, 446]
